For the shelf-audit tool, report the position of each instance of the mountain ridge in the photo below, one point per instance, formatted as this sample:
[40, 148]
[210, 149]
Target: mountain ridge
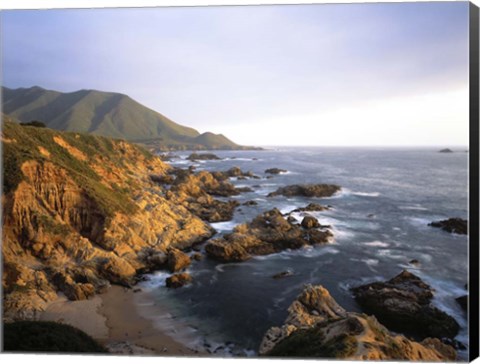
[107, 114]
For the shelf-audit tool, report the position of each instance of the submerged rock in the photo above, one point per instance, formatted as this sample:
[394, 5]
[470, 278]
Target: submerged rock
[268, 233]
[178, 280]
[250, 203]
[317, 326]
[454, 225]
[286, 273]
[404, 304]
[319, 190]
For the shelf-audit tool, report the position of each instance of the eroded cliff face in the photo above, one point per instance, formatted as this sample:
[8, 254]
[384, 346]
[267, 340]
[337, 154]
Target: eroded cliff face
[317, 326]
[81, 212]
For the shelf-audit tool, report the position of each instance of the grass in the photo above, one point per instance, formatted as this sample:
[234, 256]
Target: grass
[44, 336]
[29, 139]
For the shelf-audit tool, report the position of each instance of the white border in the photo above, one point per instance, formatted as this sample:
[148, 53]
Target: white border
[55, 4]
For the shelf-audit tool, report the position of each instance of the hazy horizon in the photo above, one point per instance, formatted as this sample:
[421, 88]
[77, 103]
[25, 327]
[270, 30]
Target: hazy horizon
[315, 75]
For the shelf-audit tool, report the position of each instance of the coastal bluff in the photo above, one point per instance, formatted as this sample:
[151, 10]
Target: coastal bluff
[81, 212]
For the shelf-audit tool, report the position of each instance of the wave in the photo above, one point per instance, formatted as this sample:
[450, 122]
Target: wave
[379, 244]
[224, 226]
[366, 194]
[347, 192]
[154, 280]
[416, 207]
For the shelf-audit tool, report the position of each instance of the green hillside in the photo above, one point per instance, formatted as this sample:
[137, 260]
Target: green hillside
[107, 114]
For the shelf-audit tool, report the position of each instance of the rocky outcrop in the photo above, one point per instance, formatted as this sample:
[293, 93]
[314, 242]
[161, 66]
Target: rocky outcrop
[203, 157]
[195, 192]
[82, 216]
[317, 326]
[275, 171]
[319, 190]
[311, 207]
[234, 172]
[268, 233]
[178, 280]
[177, 260]
[453, 225]
[404, 304]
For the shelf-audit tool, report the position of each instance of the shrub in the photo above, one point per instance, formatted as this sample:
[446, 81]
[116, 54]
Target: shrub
[45, 336]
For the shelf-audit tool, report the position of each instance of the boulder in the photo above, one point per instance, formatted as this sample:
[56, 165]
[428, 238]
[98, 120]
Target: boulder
[404, 304]
[177, 260]
[309, 222]
[178, 280]
[250, 203]
[454, 225]
[310, 190]
[318, 327]
[275, 171]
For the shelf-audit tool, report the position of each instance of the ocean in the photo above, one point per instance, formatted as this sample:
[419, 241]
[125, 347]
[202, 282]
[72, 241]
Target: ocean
[380, 223]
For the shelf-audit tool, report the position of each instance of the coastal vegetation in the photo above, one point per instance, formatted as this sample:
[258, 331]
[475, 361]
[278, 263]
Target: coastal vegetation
[44, 336]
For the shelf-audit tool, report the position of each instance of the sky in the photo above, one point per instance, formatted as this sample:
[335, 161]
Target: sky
[391, 74]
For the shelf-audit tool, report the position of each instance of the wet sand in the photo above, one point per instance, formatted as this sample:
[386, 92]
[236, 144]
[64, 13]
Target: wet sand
[113, 320]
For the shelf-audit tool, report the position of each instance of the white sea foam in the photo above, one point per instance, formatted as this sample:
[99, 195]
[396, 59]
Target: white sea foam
[379, 244]
[154, 281]
[224, 226]
[415, 207]
[366, 194]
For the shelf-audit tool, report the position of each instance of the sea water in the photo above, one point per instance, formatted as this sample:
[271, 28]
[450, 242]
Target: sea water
[380, 222]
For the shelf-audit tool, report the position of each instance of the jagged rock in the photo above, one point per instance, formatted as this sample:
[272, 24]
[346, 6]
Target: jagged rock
[319, 190]
[275, 171]
[404, 304]
[234, 172]
[268, 233]
[309, 222]
[178, 280]
[311, 207]
[453, 225]
[177, 260]
[203, 156]
[318, 327]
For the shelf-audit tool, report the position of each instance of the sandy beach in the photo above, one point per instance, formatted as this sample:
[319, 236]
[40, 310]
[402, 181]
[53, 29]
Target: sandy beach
[113, 320]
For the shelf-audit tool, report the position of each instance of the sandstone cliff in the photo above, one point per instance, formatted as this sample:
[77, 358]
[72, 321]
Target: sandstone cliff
[317, 326]
[81, 212]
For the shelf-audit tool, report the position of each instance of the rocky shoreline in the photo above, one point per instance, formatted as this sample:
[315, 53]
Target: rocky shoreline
[62, 237]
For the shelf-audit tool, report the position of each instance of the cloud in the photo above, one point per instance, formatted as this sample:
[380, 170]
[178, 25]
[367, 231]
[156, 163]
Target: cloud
[236, 65]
